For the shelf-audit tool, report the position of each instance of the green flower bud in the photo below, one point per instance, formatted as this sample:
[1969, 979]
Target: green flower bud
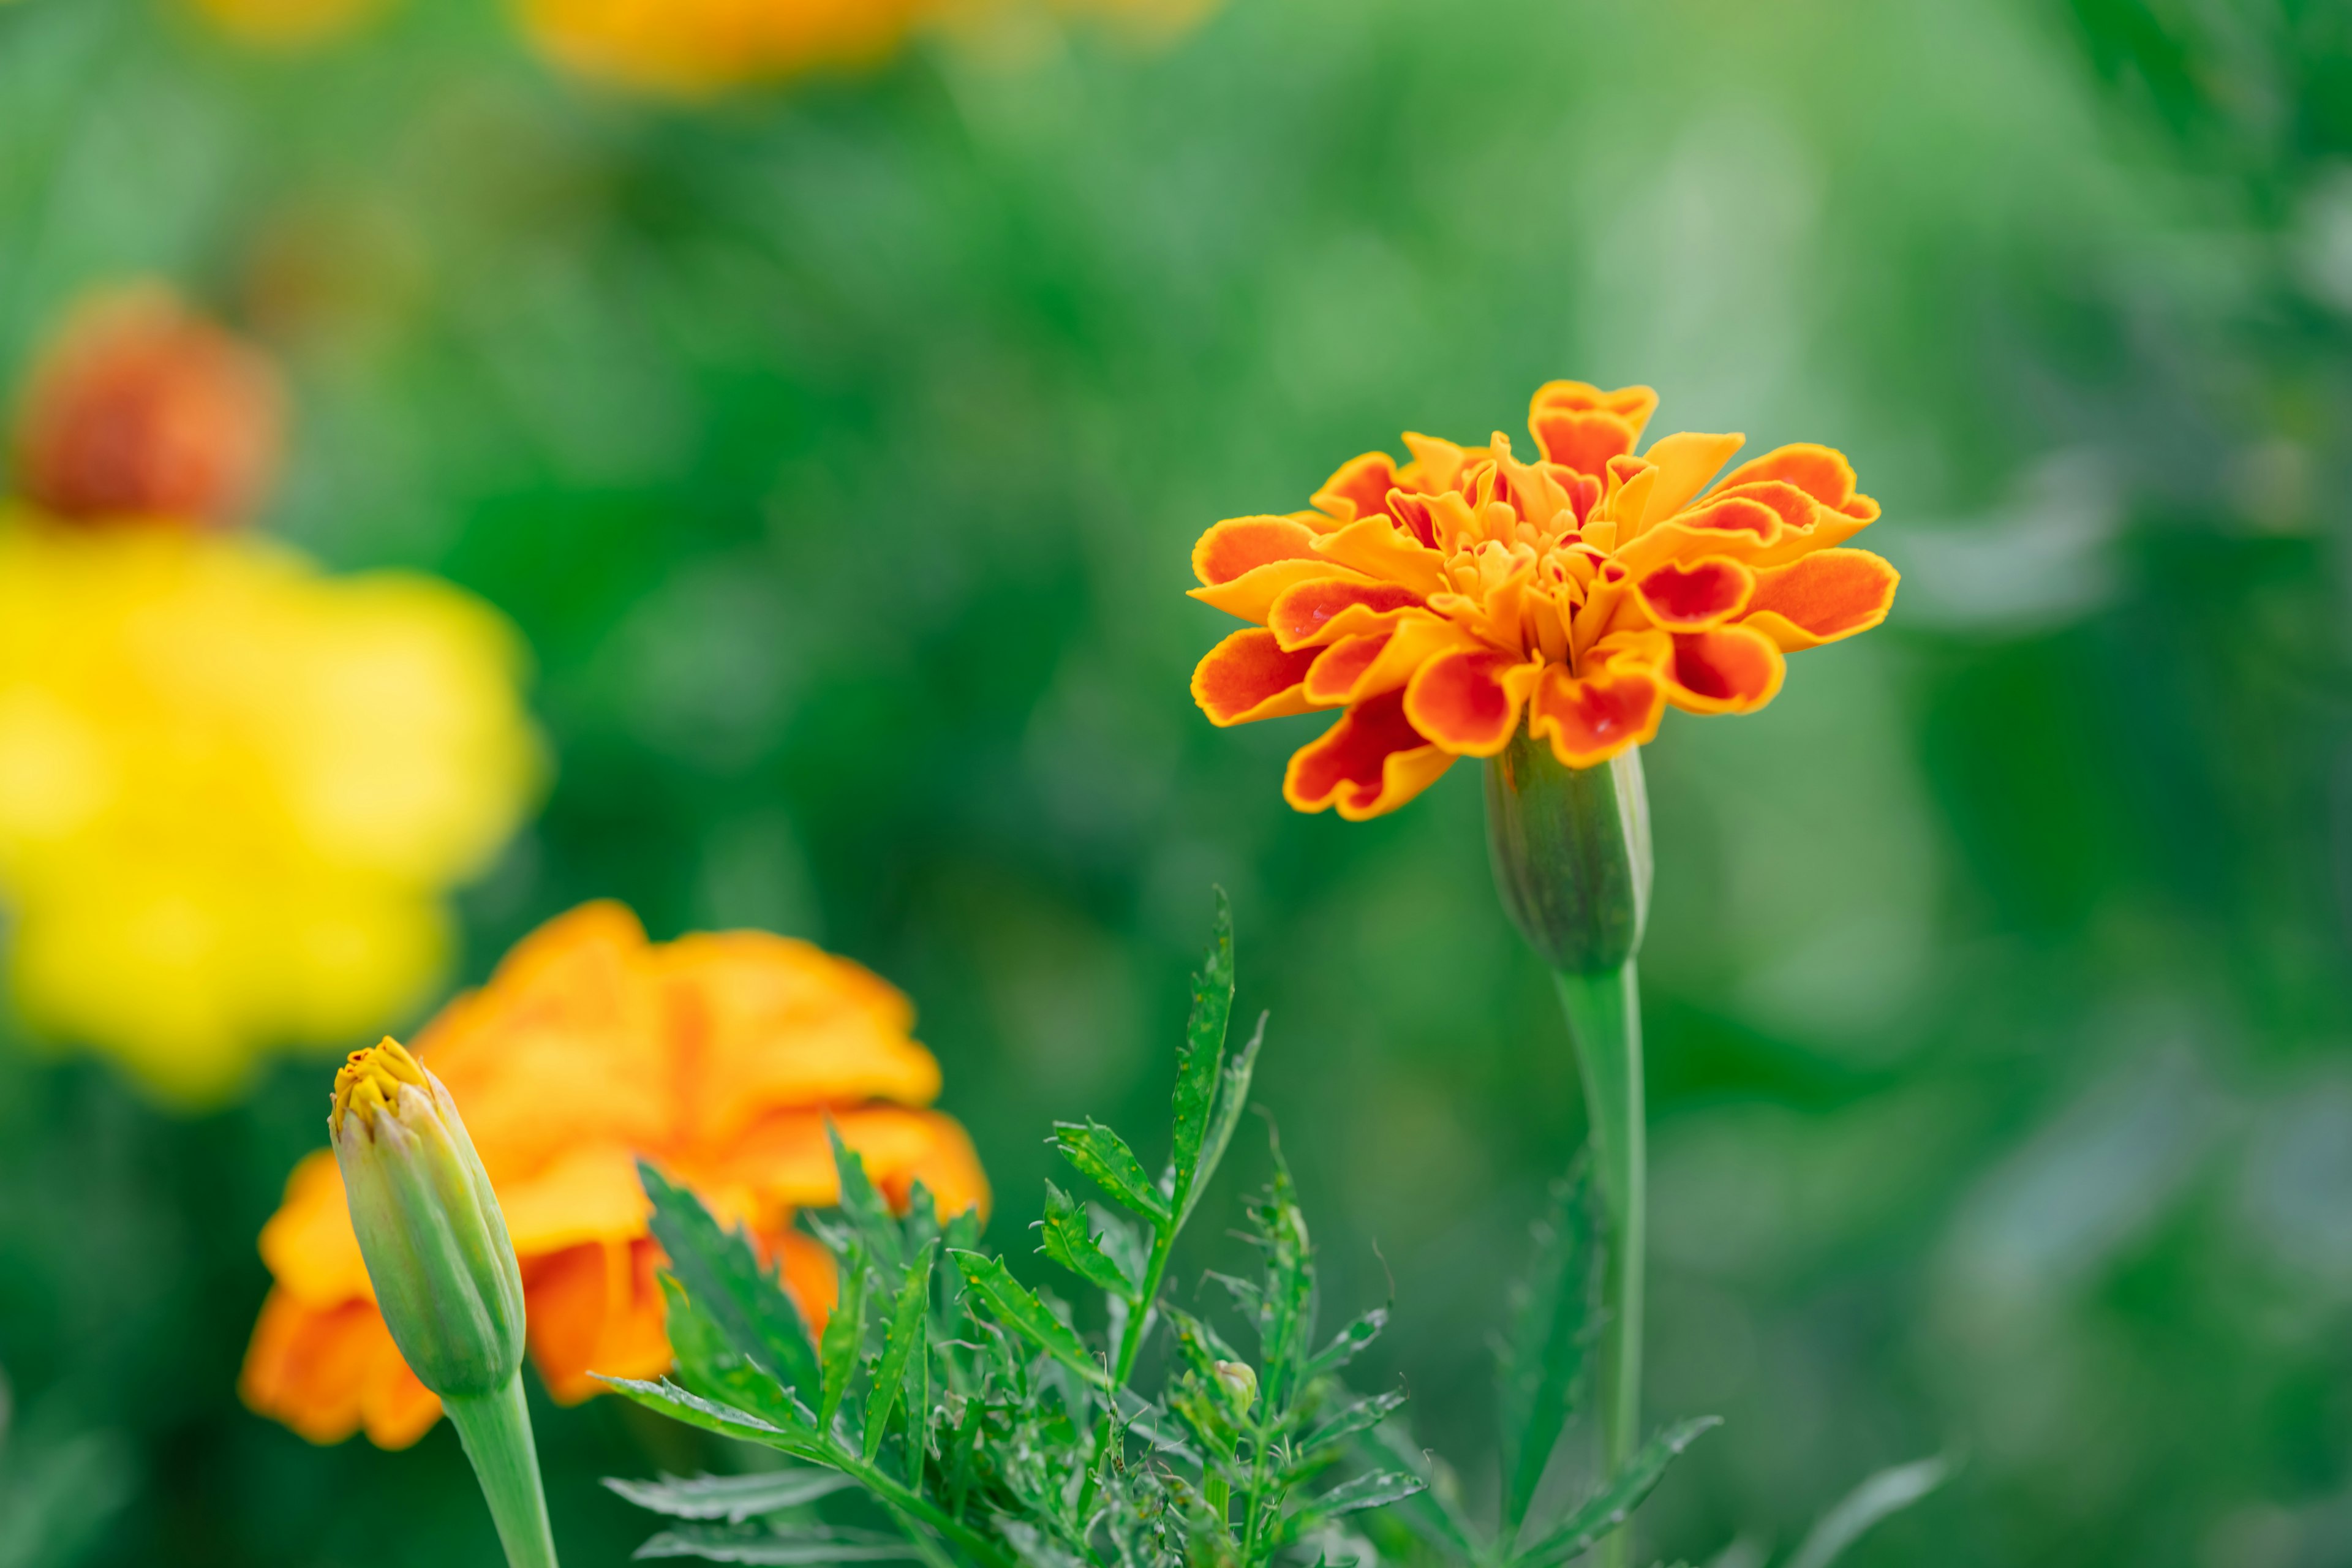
[1570, 849]
[1238, 1383]
[429, 1225]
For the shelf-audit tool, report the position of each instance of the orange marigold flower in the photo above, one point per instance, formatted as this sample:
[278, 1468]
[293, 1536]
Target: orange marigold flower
[1443, 601]
[143, 408]
[718, 1057]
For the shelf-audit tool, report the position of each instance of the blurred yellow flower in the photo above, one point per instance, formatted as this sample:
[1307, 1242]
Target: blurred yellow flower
[234, 791]
[719, 1056]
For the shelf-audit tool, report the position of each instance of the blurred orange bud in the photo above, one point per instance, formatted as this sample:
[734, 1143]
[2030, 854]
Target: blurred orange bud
[142, 407]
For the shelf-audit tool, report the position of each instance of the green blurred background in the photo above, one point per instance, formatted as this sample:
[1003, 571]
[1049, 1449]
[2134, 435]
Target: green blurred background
[838, 449]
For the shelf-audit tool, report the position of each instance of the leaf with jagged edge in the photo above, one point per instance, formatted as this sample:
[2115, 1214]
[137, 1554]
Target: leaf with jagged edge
[788, 1547]
[1377, 1489]
[1233, 1099]
[1286, 1315]
[905, 1363]
[1541, 1366]
[876, 1227]
[1335, 1432]
[845, 1334]
[708, 1365]
[1103, 1157]
[1070, 1242]
[1347, 1344]
[1198, 1063]
[1017, 1308]
[731, 1498]
[724, 1278]
[1608, 1509]
[680, 1405]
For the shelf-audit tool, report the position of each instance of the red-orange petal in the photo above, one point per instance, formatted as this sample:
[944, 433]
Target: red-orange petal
[1360, 487]
[1590, 720]
[1314, 613]
[1341, 665]
[1249, 676]
[1820, 597]
[1582, 441]
[1468, 701]
[1731, 670]
[1239, 544]
[1821, 472]
[1696, 597]
[1372, 760]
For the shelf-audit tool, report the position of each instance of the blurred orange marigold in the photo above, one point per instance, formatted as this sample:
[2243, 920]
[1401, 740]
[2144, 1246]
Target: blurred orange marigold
[719, 1056]
[1441, 602]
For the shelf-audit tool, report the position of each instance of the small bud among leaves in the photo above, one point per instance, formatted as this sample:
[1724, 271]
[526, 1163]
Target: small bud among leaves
[428, 1224]
[1238, 1383]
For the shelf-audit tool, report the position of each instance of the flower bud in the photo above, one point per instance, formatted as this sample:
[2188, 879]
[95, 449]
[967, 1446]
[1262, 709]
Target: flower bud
[1238, 1383]
[1570, 849]
[428, 1224]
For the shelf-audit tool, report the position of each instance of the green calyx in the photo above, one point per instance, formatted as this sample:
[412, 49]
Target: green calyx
[1570, 849]
[429, 1228]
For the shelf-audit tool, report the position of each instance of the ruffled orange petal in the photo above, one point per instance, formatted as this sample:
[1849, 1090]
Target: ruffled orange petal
[328, 1371]
[308, 1245]
[1372, 760]
[1336, 673]
[595, 1309]
[1731, 670]
[786, 1162]
[1313, 614]
[1589, 721]
[1468, 701]
[1579, 427]
[1821, 598]
[1378, 547]
[1685, 461]
[1240, 544]
[1699, 596]
[1251, 675]
[1735, 526]
[1821, 472]
[1252, 594]
[1360, 487]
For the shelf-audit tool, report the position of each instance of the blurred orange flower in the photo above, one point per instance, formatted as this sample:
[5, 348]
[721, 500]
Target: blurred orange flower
[696, 46]
[719, 1056]
[141, 408]
[1440, 602]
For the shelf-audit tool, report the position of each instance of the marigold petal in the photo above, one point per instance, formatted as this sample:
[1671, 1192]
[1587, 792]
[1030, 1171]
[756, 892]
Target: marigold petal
[1437, 464]
[1252, 594]
[1685, 461]
[1239, 544]
[1314, 613]
[1333, 677]
[395, 1408]
[595, 1309]
[1360, 487]
[1821, 472]
[786, 1162]
[1468, 701]
[327, 1371]
[308, 1245]
[1583, 442]
[1731, 670]
[1821, 598]
[1378, 547]
[1705, 593]
[1593, 719]
[1633, 404]
[1372, 760]
[1736, 526]
[586, 1194]
[1251, 675]
[810, 1276]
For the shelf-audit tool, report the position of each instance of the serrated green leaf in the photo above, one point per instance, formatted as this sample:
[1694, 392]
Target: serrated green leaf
[1887, 1492]
[1541, 1367]
[708, 1365]
[1198, 1059]
[725, 1280]
[681, 1404]
[1360, 1417]
[1377, 1489]
[1349, 1343]
[903, 1345]
[1436, 1514]
[845, 1334]
[1608, 1509]
[1070, 1242]
[1103, 1157]
[811, 1546]
[877, 1229]
[1285, 1320]
[1014, 1306]
[1233, 1099]
[731, 1498]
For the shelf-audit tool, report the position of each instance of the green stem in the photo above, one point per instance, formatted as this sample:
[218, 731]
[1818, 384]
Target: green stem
[1604, 1021]
[906, 1501]
[1130, 1343]
[495, 1430]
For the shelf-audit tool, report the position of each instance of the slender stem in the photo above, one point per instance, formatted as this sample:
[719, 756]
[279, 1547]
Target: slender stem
[495, 1430]
[906, 1501]
[1129, 1344]
[1604, 1021]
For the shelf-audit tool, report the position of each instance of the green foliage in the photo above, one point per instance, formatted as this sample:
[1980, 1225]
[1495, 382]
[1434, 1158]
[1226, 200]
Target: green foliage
[1031, 1445]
